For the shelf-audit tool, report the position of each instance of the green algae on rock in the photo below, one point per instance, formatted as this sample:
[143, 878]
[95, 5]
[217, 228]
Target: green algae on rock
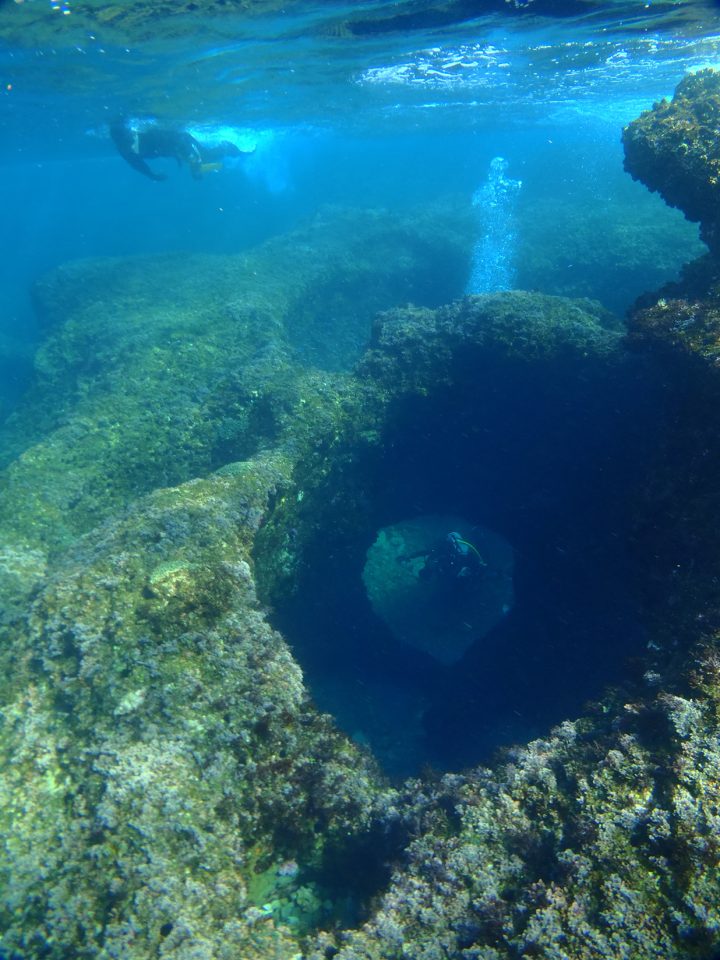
[673, 150]
[416, 357]
[689, 326]
[160, 750]
[581, 845]
[168, 787]
[158, 746]
[153, 371]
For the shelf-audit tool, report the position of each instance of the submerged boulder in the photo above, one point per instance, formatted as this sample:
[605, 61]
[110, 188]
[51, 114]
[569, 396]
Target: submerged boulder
[673, 149]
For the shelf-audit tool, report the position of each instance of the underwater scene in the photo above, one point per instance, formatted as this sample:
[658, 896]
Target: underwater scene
[360, 480]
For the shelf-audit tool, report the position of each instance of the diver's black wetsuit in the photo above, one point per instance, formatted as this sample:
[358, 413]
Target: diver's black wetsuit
[451, 561]
[138, 144]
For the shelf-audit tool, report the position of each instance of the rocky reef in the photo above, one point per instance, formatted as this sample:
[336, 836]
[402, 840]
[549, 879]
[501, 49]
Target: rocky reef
[161, 760]
[188, 496]
[163, 369]
[672, 149]
[679, 325]
[589, 841]
[168, 787]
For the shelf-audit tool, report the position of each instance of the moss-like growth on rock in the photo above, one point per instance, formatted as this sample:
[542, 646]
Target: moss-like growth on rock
[168, 787]
[157, 370]
[582, 845]
[673, 149]
[162, 761]
[158, 747]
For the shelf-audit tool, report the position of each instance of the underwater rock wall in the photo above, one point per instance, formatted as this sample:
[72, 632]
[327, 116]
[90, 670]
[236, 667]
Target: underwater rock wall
[593, 841]
[674, 149]
[517, 412]
[165, 771]
[416, 357]
[168, 788]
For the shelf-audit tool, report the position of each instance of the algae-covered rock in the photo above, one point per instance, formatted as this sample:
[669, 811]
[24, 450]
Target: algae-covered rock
[526, 328]
[158, 746]
[582, 845]
[688, 326]
[162, 761]
[168, 787]
[428, 371]
[156, 370]
[673, 149]
[587, 843]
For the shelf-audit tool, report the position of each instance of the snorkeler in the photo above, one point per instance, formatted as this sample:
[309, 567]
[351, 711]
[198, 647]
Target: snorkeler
[451, 560]
[137, 142]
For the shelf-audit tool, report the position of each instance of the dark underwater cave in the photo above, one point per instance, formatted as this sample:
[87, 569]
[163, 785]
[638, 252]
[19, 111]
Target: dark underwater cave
[549, 457]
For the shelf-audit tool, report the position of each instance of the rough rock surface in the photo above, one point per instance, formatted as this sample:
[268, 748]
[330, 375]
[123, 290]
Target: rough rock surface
[672, 149]
[159, 752]
[165, 368]
[168, 788]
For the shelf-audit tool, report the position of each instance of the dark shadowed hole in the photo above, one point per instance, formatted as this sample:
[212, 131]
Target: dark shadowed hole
[548, 461]
[338, 891]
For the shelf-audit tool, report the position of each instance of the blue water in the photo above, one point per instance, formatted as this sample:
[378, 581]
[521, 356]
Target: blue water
[345, 103]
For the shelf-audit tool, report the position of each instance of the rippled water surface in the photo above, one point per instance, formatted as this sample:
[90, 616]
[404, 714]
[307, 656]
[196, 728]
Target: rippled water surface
[359, 66]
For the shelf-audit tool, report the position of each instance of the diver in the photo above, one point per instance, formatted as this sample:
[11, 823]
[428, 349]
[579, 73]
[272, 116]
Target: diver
[138, 141]
[451, 562]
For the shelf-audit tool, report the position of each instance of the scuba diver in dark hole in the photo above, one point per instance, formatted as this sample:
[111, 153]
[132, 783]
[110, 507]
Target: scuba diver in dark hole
[138, 142]
[451, 563]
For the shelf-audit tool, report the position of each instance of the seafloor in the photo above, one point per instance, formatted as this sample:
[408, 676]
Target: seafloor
[194, 467]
